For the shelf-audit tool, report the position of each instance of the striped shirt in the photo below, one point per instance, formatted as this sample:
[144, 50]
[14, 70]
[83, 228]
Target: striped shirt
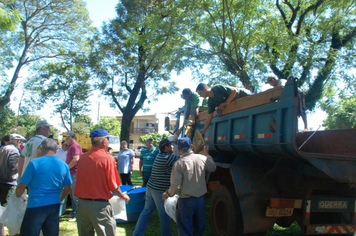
[148, 157]
[161, 171]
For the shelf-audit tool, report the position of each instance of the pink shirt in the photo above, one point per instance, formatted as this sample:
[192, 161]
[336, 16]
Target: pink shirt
[73, 149]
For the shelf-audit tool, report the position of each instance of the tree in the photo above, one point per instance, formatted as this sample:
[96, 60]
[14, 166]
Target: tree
[312, 40]
[28, 122]
[156, 138]
[66, 84]
[7, 121]
[80, 127]
[84, 119]
[340, 109]
[49, 30]
[111, 124]
[136, 54]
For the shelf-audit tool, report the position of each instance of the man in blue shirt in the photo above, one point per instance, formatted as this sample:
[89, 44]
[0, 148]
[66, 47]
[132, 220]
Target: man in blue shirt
[49, 183]
[147, 157]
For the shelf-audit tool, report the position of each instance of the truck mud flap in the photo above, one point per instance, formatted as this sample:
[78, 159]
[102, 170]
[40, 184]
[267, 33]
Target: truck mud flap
[252, 189]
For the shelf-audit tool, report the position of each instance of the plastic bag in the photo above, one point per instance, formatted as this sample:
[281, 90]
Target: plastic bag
[13, 214]
[119, 206]
[2, 209]
[170, 205]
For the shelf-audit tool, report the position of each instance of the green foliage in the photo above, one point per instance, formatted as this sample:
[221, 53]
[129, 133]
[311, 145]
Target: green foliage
[110, 123]
[28, 122]
[49, 30]
[80, 127]
[341, 112]
[84, 119]
[8, 18]
[66, 85]
[156, 138]
[7, 121]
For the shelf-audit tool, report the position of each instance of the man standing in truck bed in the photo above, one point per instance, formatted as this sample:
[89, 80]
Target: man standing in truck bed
[219, 96]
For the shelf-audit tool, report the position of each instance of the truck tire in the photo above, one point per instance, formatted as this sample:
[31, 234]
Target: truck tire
[225, 212]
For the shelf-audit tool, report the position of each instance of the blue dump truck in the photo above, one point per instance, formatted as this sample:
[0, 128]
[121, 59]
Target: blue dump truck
[269, 173]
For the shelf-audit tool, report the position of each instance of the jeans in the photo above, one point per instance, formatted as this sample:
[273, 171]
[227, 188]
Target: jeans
[145, 177]
[153, 200]
[74, 198]
[190, 216]
[45, 218]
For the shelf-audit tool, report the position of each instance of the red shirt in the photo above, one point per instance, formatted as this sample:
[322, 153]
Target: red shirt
[73, 149]
[97, 175]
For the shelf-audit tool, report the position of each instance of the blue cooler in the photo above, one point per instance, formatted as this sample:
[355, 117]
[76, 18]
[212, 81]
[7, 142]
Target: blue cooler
[136, 203]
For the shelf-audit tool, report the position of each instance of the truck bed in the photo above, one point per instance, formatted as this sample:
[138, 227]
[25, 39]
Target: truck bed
[265, 124]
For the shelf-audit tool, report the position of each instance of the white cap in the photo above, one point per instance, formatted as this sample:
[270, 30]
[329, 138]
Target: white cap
[42, 123]
[16, 137]
[173, 138]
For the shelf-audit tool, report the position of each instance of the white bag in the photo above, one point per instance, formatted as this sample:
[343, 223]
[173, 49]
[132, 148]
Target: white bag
[170, 205]
[119, 206]
[14, 212]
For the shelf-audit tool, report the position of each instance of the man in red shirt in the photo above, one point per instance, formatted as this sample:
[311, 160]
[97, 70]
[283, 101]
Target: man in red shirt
[73, 155]
[97, 181]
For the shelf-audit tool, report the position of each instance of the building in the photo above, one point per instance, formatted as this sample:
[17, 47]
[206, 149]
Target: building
[148, 123]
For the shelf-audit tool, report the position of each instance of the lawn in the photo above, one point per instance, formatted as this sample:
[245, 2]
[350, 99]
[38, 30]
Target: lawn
[70, 228]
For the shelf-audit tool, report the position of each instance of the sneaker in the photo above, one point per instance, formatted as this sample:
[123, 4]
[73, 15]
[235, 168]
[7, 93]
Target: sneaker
[73, 219]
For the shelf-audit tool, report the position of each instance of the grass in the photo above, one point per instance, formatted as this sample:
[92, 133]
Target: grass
[67, 228]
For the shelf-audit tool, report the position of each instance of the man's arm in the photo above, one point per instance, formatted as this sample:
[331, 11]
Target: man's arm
[132, 162]
[65, 192]
[140, 167]
[187, 112]
[74, 161]
[20, 189]
[176, 180]
[20, 166]
[118, 192]
[229, 99]
[207, 123]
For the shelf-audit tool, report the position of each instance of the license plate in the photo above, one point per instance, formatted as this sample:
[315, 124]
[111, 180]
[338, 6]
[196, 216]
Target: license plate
[278, 212]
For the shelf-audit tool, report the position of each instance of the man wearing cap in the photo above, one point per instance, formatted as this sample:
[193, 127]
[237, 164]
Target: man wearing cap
[219, 96]
[275, 83]
[9, 157]
[147, 157]
[157, 184]
[97, 181]
[32, 147]
[73, 154]
[188, 181]
[48, 180]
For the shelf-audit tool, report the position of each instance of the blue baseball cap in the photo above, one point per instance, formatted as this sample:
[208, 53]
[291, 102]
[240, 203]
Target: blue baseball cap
[98, 134]
[184, 143]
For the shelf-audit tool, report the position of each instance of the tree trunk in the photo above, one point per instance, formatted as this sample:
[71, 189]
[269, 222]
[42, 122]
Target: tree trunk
[125, 128]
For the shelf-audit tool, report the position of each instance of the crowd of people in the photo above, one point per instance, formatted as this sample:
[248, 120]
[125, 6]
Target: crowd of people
[50, 171]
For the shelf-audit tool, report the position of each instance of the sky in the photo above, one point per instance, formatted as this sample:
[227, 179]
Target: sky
[104, 10]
